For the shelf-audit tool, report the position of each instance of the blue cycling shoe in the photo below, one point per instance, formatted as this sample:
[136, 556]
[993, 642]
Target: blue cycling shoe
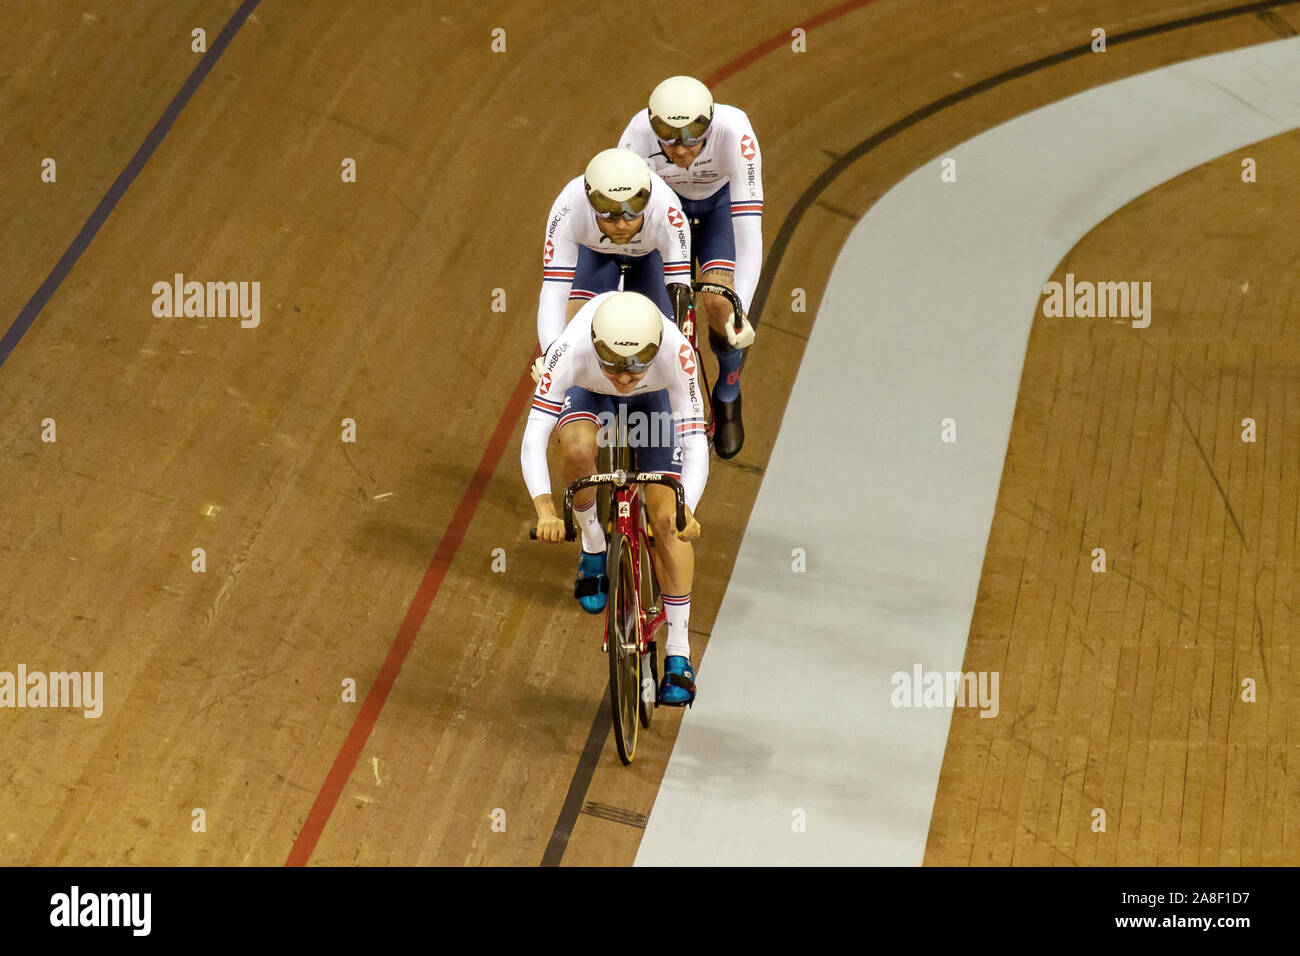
[678, 687]
[592, 585]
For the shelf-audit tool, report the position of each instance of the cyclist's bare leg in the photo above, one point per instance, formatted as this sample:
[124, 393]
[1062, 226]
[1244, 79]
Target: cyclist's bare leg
[674, 558]
[578, 445]
[715, 307]
[675, 564]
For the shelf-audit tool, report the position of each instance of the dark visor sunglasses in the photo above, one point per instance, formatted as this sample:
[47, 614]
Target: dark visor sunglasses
[611, 361]
[629, 208]
[687, 135]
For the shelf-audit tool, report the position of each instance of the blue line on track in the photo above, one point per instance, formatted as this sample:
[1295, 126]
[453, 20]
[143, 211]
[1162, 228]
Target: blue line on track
[120, 185]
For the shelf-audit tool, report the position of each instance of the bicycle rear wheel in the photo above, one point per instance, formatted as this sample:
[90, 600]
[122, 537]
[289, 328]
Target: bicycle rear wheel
[624, 660]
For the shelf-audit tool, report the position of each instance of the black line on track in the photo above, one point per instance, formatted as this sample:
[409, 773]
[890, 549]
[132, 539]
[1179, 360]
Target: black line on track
[123, 182]
[810, 195]
[573, 802]
[577, 794]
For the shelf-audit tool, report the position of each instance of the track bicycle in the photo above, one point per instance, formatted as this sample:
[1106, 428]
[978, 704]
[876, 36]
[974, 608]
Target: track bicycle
[634, 608]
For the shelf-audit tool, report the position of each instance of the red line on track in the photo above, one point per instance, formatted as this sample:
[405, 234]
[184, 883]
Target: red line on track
[780, 40]
[350, 752]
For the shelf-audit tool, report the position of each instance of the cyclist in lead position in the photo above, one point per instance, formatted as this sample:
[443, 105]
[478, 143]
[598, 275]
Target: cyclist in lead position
[709, 156]
[620, 350]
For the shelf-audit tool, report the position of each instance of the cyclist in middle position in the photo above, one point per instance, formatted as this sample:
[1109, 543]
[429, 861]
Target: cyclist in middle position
[617, 213]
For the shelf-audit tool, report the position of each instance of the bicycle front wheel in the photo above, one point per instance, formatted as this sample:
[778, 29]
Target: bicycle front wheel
[624, 659]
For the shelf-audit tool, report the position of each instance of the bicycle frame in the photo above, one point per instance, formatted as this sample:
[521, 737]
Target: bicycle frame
[634, 693]
[628, 519]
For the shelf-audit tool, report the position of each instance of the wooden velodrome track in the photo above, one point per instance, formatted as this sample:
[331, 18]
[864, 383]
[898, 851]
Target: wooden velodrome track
[372, 561]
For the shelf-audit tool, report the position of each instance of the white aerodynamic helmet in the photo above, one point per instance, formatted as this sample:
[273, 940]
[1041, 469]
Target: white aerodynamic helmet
[626, 331]
[617, 183]
[681, 109]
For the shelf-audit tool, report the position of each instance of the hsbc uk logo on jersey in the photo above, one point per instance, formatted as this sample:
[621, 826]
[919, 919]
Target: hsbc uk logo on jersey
[675, 218]
[747, 148]
[687, 357]
[549, 254]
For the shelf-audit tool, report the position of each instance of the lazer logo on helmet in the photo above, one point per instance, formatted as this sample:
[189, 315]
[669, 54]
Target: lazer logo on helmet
[633, 344]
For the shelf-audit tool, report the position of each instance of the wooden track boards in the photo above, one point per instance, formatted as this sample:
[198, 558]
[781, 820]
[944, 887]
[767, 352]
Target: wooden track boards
[223, 688]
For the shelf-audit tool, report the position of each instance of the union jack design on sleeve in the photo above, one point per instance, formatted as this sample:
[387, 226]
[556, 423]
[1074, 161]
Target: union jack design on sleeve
[550, 408]
[691, 426]
[543, 404]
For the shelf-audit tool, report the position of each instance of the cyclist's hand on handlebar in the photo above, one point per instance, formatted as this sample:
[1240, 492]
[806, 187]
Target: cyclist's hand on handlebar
[536, 369]
[692, 529]
[550, 528]
[742, 339]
